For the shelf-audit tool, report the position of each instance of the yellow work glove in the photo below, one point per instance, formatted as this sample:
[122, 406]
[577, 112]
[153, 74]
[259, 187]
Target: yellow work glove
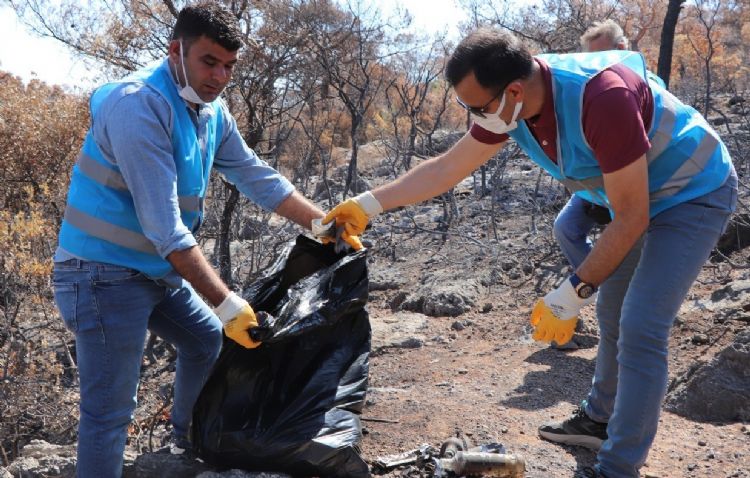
[555, 316]
[336, 235]
[238, 318]
[354, 214]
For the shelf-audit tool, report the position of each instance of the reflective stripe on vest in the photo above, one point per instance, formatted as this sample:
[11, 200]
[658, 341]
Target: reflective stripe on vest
[108, 232]
[113, 179]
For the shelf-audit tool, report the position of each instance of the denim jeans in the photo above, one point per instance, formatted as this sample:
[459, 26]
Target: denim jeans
[109, 308]
[571, 229]
[636, 308]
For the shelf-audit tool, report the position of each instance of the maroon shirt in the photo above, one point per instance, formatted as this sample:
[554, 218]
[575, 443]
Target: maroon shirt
[617, 111]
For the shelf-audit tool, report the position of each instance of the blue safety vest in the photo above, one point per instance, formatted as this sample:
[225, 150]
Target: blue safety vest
[686, 159]
[100, 222]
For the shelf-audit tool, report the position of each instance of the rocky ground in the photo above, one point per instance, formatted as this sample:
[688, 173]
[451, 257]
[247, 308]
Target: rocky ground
[452, 351]
[480, 374]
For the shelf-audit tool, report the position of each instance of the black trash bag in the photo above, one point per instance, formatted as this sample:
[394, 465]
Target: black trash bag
[292, 405]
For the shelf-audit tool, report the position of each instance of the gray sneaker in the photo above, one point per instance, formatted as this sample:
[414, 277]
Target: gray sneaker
[178, 446]
[569, 345]
[579, 430]
[589, 472]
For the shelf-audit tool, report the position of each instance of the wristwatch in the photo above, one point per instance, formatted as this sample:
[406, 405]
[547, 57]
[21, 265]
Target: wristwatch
[583, 289]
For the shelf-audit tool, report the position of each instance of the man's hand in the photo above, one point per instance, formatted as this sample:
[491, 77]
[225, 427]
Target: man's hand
[333, 234]
[555, 316]
[238, 318]
[354, 214]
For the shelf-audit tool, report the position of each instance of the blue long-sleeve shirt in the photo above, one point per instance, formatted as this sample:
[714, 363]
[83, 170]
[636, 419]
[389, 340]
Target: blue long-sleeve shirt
[132, 129]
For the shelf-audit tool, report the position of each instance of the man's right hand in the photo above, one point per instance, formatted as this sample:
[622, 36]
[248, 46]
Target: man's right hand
[354, 214]
[238, 318]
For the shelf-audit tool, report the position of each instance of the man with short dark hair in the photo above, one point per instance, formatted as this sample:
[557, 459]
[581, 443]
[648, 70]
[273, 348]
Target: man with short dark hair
[127, 260]
[594, 122]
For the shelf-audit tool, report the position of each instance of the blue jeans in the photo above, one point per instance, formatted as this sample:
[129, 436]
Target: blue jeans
[109, 308]
[636, 308]
[571, 229]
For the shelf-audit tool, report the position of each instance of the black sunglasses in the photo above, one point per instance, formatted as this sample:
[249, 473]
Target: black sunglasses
[479, 111]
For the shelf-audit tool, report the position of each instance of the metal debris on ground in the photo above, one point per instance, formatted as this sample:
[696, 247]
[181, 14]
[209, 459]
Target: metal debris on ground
[455, 458]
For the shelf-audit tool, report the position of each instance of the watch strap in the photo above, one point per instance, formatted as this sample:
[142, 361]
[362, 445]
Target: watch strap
[577, 283]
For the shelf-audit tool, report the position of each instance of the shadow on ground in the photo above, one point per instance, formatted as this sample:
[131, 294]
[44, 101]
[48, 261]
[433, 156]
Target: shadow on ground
[566, 380]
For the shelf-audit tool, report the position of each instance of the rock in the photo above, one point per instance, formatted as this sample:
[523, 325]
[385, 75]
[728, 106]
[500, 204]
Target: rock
[440, 297]
[42, 449]
[735, 100]
[441, 142]
[718, 390]
[41, 459]
[336, 183]
[700, 339]
[252, 229]
[385, 279]
[165, 465]
[240, 474]
[400, 330]
[734, 291]
[395, 302]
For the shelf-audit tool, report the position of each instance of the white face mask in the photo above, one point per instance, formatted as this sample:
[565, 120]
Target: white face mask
[492, 121]
[187, 92]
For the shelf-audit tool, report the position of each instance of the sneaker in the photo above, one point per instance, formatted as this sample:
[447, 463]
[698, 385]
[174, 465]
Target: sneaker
[569, 345]
[588, 472]
[178, 446]
[579, 430]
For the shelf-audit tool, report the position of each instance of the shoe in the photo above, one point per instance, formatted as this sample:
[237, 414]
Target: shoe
[589, 472]
[569, 345]
[579, 430]
[177, 445]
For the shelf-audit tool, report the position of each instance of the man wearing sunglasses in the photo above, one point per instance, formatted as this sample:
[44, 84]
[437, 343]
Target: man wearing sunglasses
[594, 122]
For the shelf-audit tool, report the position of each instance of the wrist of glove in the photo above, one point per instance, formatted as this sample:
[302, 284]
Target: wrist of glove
[555, 316]
[564, 301]
[368, 203]
[238, 318]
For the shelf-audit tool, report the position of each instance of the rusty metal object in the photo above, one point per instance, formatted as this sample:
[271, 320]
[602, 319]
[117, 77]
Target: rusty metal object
[491, 460]
[456, 458]
[467, 463]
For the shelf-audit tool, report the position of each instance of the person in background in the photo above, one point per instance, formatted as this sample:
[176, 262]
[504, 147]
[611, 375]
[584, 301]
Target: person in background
[595, 122]
[128, 260]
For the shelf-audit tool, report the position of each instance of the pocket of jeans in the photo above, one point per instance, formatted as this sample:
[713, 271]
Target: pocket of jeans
[66, 298]
[113, 275]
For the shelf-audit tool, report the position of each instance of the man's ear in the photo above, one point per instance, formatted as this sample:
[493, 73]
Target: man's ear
[516, 91]
[173, 51]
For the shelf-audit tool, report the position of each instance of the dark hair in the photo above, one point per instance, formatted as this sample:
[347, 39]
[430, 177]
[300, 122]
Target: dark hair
[209, 19]
[495, 56]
